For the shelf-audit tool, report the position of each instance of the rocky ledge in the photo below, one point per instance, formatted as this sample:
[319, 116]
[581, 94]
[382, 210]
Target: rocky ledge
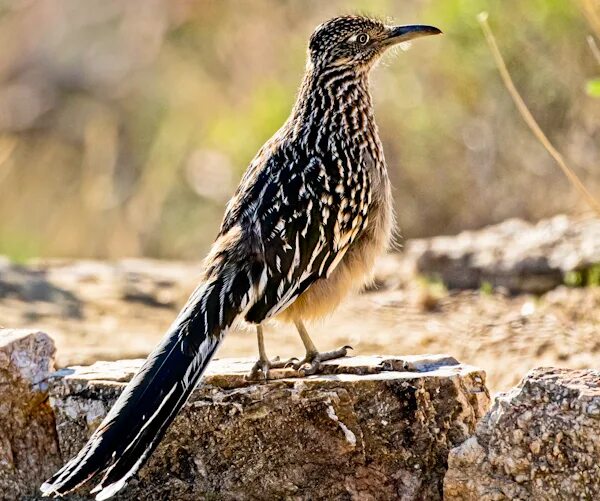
[539, 441]
[368, 428]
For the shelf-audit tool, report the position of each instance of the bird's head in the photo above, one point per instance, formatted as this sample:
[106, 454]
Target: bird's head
[358, 41]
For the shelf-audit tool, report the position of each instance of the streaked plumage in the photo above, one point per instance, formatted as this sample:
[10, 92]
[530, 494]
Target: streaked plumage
[310, 215]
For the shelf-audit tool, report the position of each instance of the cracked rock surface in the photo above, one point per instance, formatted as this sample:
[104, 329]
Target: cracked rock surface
[28, 444]
[368, 428]
[540, 441]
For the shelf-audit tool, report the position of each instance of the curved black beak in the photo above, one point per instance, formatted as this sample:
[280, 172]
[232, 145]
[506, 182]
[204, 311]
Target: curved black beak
[398, 34]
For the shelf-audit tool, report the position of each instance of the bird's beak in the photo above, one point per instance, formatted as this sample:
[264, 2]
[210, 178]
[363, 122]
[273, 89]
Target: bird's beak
[399, 34]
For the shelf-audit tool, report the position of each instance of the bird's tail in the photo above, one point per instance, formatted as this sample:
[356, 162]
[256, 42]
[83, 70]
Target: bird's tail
[140, 417]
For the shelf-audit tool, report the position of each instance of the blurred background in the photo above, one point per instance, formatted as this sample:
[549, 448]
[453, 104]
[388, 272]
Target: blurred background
[125, 126]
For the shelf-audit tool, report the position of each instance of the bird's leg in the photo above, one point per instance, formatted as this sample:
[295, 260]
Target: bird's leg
[313, 357]
[263, 364]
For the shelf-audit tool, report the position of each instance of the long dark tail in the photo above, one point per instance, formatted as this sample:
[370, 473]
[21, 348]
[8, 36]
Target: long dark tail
[140, 417]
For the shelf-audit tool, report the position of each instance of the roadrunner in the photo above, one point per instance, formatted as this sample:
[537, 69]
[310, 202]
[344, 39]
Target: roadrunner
[303, 229]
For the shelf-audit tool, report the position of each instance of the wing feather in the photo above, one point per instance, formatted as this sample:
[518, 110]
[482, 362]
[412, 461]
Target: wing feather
[305, 213]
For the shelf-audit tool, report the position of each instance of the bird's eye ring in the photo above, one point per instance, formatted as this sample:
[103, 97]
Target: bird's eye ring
[363, 38]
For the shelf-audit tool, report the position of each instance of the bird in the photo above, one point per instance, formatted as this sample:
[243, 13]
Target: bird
[311, 213]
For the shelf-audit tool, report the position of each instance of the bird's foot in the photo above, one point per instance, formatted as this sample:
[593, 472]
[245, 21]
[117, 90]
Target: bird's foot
[261, 368]
[311, 363]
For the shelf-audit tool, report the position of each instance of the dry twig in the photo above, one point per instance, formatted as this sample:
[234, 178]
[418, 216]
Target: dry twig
[594, 47]
[528, 117]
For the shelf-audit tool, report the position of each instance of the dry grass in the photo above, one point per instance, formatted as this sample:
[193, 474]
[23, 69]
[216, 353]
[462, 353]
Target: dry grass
[594, 48]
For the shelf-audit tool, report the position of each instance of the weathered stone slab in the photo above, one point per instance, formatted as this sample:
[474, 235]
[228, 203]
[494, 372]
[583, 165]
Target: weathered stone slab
[369, 428]
[515, 254]
[540, 441]
[28, 443]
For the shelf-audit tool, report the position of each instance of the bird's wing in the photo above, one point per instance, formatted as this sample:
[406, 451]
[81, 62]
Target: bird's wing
[304, 214]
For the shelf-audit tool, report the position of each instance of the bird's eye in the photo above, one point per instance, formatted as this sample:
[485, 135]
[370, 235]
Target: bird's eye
[362, 39]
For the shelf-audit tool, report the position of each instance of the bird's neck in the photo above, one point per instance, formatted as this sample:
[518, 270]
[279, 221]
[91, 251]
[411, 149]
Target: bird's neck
[335, 101]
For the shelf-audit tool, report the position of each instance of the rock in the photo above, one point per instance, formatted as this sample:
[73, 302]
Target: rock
[368, 428]
[540, 441]
[515, 255]
[28, 442]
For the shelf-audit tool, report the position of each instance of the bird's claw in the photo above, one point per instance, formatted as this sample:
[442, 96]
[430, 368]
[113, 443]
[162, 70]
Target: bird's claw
[313, 360]
[291, 362]
[260, 370]
[309, 365]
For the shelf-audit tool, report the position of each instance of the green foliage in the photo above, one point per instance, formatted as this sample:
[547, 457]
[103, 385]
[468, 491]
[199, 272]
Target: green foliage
[20, 246]
[238, 131]
[593, 87]
[574, 278]
[434, 284]
[593, 275]
[587, 277]
[486, 288]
